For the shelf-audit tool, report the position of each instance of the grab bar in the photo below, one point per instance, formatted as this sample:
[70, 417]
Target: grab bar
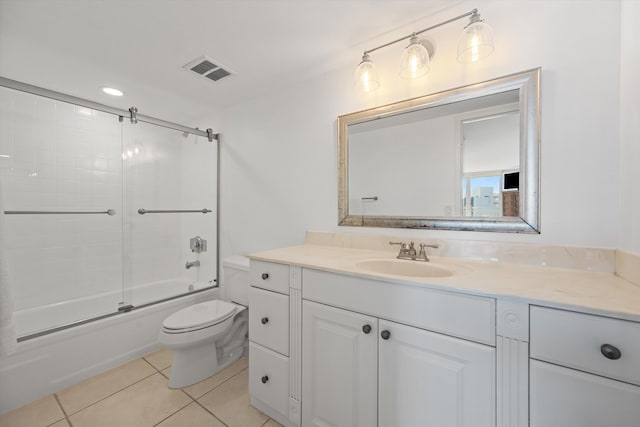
[145, 211]
[108, 212]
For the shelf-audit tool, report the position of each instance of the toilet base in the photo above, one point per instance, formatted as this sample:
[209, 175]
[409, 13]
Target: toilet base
[191, 366]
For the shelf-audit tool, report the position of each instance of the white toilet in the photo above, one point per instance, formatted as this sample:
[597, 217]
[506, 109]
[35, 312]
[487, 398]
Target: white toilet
[208, 336]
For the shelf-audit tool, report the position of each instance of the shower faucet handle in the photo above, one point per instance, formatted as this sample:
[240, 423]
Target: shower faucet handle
[198, 244]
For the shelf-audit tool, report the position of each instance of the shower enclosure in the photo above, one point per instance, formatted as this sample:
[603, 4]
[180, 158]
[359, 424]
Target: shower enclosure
[103, 208]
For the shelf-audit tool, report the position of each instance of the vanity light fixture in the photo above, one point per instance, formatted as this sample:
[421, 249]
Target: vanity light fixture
[366, 75]
[112, 91]
[475, 44]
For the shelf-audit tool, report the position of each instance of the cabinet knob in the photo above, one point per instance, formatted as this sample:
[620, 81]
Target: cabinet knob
[264, 379]
[385, 334]
[366, 329]
[610, 352]
[264, 320]
[265, 276]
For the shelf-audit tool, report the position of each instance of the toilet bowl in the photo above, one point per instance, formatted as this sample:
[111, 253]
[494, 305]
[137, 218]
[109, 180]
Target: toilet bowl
[208, 336]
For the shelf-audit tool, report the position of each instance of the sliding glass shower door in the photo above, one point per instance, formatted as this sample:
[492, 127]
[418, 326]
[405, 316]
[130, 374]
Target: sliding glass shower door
[102, 215]
[170, 195]
[61, 178]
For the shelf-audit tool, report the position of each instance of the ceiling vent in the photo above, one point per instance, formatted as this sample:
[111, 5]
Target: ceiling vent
[208, 68]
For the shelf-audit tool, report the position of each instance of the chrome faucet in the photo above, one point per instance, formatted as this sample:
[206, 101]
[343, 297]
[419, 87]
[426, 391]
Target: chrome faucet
[197, 244]
[190, 264]
[408, 251]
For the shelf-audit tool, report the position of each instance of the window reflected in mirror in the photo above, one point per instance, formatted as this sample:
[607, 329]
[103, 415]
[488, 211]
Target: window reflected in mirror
[491, 164]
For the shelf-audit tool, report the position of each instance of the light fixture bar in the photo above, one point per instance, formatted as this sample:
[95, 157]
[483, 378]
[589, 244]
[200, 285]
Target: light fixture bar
[464, 15]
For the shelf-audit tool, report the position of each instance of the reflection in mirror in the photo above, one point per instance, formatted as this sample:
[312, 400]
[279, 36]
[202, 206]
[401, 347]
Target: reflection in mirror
[491, 162]
[462, 159]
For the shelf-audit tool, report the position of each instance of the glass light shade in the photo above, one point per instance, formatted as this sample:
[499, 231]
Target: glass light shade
[414, 61]
[366, 75]
[476, 42]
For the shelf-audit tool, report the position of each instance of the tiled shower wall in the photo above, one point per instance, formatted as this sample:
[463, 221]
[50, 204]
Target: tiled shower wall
[61, 157]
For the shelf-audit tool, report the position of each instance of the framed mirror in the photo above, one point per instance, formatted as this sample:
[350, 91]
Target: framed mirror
[462, 159]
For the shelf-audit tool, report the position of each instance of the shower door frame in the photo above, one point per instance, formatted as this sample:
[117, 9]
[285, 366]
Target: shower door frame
[133, 115]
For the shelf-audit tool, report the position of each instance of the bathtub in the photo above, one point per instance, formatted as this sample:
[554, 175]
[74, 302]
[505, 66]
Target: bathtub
[60, 314]
[49, 363]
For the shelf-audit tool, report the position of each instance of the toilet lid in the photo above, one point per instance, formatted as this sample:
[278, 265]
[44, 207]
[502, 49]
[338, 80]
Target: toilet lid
[200, 315]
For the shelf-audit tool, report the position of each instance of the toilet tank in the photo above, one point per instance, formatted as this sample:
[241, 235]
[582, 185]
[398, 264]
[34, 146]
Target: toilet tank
[236, 279]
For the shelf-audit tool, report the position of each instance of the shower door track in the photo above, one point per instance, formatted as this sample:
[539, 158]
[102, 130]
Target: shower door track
[35, 90]
[130, 309]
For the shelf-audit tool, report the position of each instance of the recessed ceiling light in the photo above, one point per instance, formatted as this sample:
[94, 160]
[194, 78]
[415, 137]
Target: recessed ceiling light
[112, 91]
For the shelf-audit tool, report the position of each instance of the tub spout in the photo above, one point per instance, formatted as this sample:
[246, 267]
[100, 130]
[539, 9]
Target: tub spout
[190, 264]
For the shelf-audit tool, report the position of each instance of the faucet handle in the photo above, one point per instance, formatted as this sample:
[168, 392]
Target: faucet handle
[404, 246]
[423, 251]
[425, 245]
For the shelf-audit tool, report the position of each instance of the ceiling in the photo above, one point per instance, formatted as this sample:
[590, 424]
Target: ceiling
[140, 46]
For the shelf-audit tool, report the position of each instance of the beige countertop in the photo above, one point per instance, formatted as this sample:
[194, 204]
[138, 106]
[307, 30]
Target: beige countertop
[594, 292]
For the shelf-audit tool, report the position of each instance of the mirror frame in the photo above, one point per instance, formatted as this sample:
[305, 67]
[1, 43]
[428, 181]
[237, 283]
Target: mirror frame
[528, 84]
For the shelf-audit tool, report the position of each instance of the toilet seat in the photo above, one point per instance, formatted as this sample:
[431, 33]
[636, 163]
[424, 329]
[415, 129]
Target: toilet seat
[198, 316]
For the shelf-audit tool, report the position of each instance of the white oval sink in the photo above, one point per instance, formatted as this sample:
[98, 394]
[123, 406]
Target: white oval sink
[397, 267]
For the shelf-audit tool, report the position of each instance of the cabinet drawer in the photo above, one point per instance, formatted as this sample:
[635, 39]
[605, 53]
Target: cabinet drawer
[465, 316]
[563, 397]
[269, 275]
[576, 339]
[269, 319]
[269, 377]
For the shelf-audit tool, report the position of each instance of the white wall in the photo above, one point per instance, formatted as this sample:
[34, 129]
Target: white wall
[630, 127]
[279, 156]
[415, 158]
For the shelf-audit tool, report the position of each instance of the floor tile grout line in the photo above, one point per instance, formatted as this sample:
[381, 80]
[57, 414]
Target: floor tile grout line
[173, 413]
[154, 366]
[108, 396]
[211, 412]
[55, 396]
[223, 382]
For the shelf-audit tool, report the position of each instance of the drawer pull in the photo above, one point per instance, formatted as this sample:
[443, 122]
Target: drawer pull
[610, 352]
[366, 329]
[264, 379]
[385, 334]
[265, 276]
[264, 320]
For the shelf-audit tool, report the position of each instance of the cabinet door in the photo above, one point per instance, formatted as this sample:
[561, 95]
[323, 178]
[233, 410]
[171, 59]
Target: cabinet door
[563, 397]
[339, 365]
[433, 380]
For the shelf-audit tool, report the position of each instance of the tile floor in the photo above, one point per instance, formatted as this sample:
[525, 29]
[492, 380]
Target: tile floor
[136, 395]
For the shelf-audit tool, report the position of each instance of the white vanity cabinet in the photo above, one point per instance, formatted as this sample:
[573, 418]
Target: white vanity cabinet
[584, 370]
[430, 379]
[340, 363]
[362, 370]
[270, 364]
[331, 349]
